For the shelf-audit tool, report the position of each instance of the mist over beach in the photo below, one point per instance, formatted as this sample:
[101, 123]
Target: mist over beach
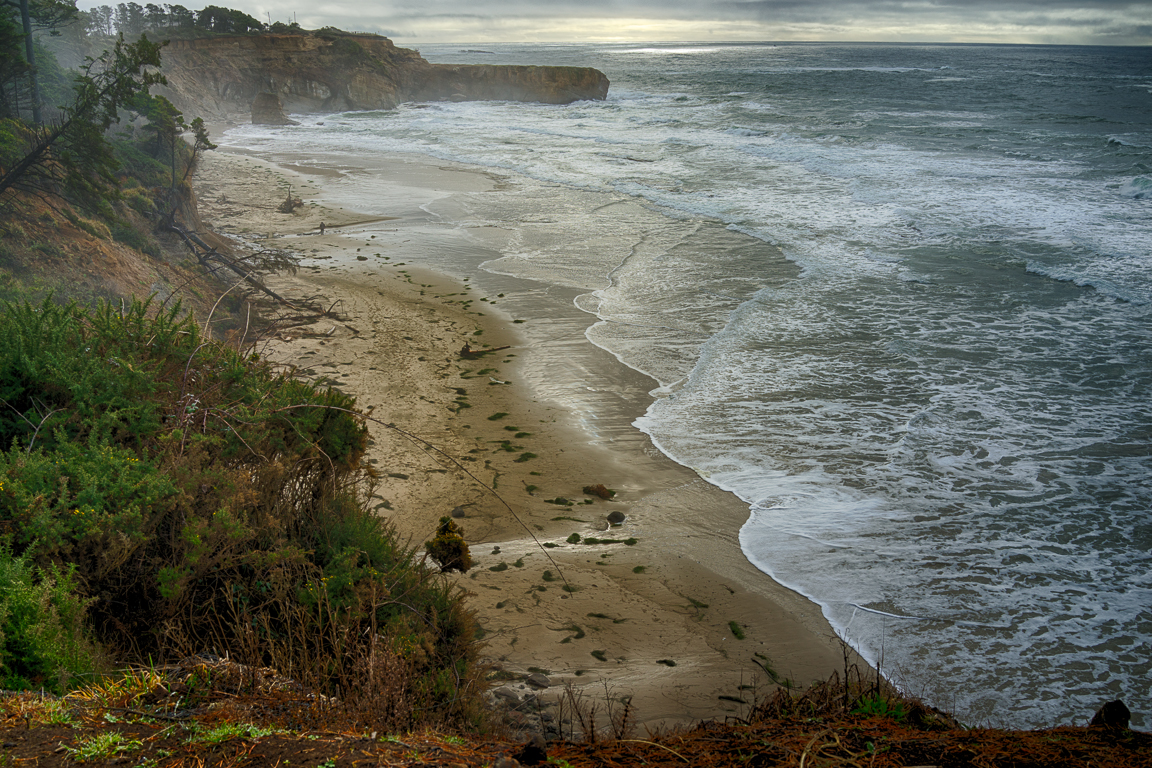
[895, 298]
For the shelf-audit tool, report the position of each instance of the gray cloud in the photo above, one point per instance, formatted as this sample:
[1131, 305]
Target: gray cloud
[1036, 21]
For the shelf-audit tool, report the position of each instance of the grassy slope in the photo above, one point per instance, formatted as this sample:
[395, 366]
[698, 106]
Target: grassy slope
[48, 248]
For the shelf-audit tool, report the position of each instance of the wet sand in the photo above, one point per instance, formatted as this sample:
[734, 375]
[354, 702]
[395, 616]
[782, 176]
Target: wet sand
[647, 612]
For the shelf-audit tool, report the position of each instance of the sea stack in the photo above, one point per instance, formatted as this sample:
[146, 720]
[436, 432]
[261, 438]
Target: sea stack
[267, 110]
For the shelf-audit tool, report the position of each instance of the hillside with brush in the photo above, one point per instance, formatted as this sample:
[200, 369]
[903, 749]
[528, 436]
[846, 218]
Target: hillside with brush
[165, 491]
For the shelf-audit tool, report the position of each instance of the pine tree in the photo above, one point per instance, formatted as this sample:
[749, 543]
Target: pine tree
[39, 14]
[74, 151]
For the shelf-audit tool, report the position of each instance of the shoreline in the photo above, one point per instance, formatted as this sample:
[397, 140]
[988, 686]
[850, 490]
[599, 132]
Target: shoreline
[650, 620]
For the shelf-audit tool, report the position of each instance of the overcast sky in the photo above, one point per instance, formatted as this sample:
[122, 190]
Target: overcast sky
[1093, 22]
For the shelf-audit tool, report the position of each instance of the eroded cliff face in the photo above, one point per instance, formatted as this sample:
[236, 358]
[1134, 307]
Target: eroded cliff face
[219, 77]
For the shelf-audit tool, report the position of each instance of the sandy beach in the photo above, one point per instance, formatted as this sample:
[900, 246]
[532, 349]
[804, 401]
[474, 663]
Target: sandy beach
[653, 608]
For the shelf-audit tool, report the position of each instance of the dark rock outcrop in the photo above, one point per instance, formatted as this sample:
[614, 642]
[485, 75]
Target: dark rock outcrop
[1114, 715]
[220, 77]
[537, 680]
[534, 752]
[488, 82]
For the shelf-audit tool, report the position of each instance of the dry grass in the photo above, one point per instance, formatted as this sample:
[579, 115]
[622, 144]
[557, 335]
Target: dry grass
[208, 711]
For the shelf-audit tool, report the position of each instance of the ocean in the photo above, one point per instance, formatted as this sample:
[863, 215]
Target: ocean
[897, 298]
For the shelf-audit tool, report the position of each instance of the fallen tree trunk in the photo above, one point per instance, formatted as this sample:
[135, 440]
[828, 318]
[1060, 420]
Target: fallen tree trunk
[205, 254]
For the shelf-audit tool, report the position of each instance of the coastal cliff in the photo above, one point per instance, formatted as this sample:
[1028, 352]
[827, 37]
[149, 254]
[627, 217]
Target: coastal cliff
[550, 85]
[219, 77]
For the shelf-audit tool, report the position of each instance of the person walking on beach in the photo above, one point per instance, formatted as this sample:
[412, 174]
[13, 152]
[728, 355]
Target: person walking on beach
[321, 228]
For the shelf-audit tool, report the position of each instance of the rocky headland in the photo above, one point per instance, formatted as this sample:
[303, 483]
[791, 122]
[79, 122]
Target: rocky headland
[218, 78]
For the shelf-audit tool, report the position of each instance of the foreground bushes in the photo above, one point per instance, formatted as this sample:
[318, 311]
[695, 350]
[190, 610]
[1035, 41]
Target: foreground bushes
[43, 636]
[201, 501]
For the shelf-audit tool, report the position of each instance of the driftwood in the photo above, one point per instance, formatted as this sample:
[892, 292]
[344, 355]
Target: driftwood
[291, 204]
[472, 354]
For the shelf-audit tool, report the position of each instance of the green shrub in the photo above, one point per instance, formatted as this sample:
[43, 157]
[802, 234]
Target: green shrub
[207, 501]
[879, 705]
[43, 639]
[123, 232]
[139, 200]
[346, 46]
[15, 138]
[80, 502]
[48, 249]
[12, 230]
[141, 166]
[95, 228]
[448, 549]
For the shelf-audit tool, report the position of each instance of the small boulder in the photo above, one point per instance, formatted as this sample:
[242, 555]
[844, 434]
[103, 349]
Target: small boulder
[616, 517]
[507, 694]
[537, 680]
[1114, 714]
[534, 752]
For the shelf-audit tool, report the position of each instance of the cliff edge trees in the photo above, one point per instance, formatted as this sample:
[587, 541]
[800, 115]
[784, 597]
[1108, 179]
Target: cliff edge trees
[81, 160]
[19, 50]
